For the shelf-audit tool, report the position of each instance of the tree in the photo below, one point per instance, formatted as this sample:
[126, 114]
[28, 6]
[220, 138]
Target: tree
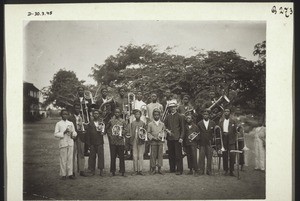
[63, 89]
[144, 68]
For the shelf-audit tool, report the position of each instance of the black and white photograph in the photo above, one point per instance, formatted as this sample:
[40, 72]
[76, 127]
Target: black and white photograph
[139, 109]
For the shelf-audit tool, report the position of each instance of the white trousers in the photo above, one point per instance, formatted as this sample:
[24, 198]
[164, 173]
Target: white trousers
[66, 161]
[138, 156]
[260, 154]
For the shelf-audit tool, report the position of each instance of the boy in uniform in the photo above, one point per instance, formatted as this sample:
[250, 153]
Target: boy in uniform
[156, 128]
[138, 145]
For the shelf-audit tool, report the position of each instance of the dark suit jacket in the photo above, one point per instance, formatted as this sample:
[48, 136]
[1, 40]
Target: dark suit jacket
[188, 131]
[175, 123]
[94, 137]
[231, 137]
[206, 135]
[80, 135]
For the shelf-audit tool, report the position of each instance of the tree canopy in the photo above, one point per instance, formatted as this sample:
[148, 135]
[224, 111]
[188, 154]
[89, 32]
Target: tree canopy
[145, 68]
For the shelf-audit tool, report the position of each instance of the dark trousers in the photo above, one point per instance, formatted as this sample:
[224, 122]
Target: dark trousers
[147, 148]
[191, 153]
[231, 156]
[175, 156]
[117, 150]
[205, 151]
[99, 151]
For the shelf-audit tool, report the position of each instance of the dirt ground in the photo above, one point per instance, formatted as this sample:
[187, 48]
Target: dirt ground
[41, 177]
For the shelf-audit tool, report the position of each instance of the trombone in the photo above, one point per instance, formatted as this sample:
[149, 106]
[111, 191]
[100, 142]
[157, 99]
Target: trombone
[241, 136]
[219, 137]
[131, 102]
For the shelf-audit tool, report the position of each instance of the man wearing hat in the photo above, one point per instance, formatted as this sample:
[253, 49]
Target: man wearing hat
[206, 127]
[185, 108]
[174, 123]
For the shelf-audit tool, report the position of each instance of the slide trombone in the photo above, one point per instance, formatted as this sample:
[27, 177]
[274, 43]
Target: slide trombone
[241, 136]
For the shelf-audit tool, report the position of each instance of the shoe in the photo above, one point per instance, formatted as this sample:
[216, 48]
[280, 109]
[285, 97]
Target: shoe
[178, 173]
[208, 173]
[196, 174]
[153, 171]
[159, 171]
[231, 174]
[72, 177]
[134, 173]
[172, 171]
[123, 174]
[140, 173]
[82, 174]
[63, 178]
[190, 172]
[113, 174]
[101, 173]
[225, 173]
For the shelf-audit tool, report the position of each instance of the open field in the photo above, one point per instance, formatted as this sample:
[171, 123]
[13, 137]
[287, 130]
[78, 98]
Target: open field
[41, 177]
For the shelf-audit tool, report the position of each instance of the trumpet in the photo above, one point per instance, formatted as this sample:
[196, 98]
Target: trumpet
[192, 136]
[117, 130]
[100, 126]
[142, 133]
[241, 136]
[219, 137]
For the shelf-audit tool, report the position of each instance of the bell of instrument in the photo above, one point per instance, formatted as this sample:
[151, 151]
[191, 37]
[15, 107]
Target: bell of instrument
[100, 127]
[142, 133]
[218, 136]
[219, 105]
[117, 130]
[161, 136]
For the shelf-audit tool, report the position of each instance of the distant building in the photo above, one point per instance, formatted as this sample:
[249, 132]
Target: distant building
[31, 105]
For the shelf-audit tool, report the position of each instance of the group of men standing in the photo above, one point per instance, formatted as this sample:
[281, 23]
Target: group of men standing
[178, 125]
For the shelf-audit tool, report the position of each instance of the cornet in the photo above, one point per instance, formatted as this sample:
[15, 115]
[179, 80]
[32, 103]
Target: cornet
[161, 135]
[241, 136]
[142, 133]
[117, 130]
[192, 136]
[100, 126]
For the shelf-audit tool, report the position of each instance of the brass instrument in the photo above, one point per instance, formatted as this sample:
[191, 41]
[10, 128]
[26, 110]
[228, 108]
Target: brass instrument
[218, 136]
[100, 126]
[117, 130]
[79, 124]
[166, 111]
[110, 102]
[241, 136]
[131, 102]
[218, 106]
[237, 154]
[162, 135]
[144, 110]
[142, 133]
[84, 111]
[192, 136]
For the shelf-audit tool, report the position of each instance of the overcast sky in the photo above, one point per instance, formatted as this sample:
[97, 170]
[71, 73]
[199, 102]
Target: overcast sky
[78, 45]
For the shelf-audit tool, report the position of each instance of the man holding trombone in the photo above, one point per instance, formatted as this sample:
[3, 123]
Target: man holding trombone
[228, 127]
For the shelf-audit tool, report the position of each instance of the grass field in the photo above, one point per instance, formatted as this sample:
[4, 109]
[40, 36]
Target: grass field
[41, 177]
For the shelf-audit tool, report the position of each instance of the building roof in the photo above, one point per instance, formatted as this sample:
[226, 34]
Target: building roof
[30, 86]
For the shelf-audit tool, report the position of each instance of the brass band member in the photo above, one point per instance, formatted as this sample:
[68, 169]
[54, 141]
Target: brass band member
[95, 140]
[139, 104]
[108, 110]
[122, 103]
[79, 142]
[156, 128]
[206, 127]
[186, 108]
[191, 144]
[84, 102]
[150, 108]
[138, 145]
[228, 127]
[175, 123]
[117, 142]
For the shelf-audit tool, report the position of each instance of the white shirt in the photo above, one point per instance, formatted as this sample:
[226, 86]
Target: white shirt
[138, 104]
[156, 122]
[206, 123]
[65, 139]
[225, 125]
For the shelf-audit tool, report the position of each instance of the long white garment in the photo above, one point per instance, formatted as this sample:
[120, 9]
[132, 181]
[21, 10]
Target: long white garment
[259, 149]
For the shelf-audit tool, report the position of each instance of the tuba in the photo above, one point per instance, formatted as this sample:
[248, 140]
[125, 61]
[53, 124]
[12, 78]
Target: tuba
[241, 136]
[192, 136]
[117, 130]
[218, 106]
[142, 133]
